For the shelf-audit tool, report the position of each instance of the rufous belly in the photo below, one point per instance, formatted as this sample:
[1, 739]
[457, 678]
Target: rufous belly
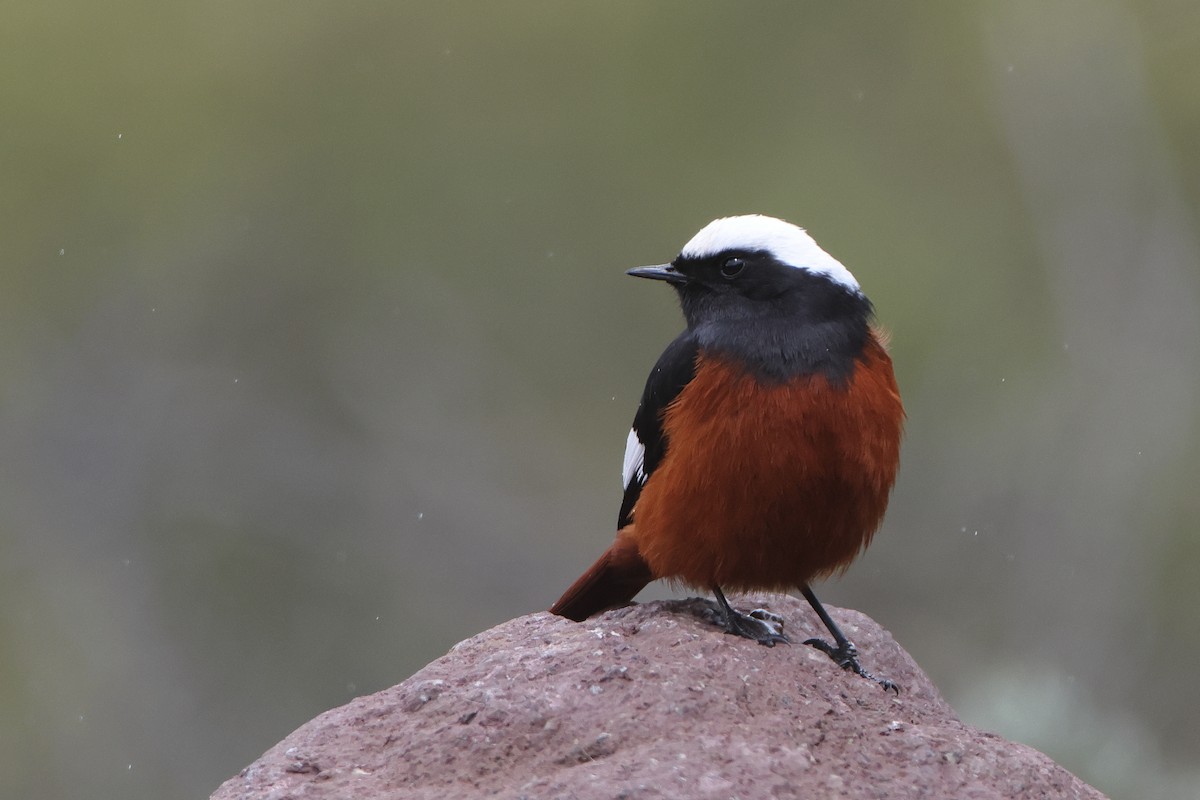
[766, 486]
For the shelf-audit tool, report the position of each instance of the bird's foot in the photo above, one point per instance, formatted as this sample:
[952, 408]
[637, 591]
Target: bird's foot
[846, 657]
[760, 625]
[767, 616]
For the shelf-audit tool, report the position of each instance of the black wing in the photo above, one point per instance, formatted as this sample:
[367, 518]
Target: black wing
[647, 444]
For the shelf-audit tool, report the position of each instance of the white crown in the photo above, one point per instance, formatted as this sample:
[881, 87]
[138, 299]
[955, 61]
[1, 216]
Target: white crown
[788, 243]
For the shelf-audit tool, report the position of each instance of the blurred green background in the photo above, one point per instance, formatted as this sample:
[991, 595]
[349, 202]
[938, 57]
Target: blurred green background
[316, 355]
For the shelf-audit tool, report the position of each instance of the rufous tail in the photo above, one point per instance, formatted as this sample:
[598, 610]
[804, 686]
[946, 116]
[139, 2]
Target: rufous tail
[612, 581]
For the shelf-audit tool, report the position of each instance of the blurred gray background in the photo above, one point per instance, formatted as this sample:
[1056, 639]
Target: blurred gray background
[316, 355]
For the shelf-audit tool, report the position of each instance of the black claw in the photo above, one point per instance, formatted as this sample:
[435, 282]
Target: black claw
[845, 654]
[846, 657]
[759, 631]
[749, 627]
[756, 626]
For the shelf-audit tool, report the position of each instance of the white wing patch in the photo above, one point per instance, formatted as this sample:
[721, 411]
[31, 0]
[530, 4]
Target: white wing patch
[635, 456]
[788, 243]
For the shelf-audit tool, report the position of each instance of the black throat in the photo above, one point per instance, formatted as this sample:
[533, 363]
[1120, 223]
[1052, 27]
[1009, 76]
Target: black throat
[815, 327]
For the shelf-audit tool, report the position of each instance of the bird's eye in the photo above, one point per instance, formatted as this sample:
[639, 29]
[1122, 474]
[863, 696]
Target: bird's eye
[732, 267]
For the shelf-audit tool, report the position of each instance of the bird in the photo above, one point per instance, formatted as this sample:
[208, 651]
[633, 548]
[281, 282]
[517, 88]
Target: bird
[767, 441]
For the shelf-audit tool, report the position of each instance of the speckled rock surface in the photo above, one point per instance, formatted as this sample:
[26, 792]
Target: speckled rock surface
[652, 701]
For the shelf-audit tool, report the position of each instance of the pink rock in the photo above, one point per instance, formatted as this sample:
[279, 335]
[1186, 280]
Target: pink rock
[653, 701]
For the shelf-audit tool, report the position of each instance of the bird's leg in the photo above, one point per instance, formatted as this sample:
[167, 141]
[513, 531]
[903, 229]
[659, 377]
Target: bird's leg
[843, 652]
[761, 626]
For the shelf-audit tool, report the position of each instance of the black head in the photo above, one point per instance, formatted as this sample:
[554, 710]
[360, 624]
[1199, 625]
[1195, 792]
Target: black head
[761, 290]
